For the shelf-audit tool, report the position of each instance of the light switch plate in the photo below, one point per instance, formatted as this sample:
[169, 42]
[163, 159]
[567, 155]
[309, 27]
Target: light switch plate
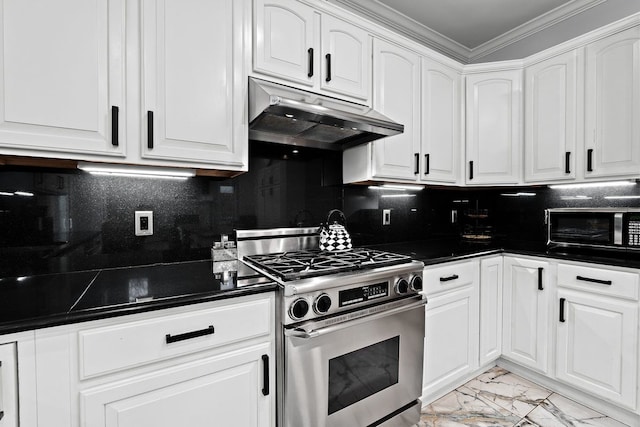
[144, 223]
[386, 217]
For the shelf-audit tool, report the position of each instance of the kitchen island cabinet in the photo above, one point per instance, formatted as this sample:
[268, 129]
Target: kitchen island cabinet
[204, 364]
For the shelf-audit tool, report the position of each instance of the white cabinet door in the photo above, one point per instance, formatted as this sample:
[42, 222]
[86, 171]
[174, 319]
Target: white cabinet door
[441, 111]
[494, 127]
[551, 122]
[346, 55]
[612, 105]
[225, 390]
[286, 40]
[396, 94]
[451, 339]
[597, 345]
[62, 78]
[193, 94]
[8, 386]
[525, 313]
[490, 309]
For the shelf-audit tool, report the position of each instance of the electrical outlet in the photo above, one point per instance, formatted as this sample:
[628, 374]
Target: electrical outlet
[386, 217]
[144, 223]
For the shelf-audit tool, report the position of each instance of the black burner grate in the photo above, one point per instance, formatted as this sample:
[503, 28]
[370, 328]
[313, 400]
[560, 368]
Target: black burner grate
[302, 264]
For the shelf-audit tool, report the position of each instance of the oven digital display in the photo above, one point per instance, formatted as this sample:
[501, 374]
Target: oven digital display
[362, 294]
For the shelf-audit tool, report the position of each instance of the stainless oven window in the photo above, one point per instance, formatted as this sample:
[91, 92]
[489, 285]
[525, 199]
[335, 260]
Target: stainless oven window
[589, 228]
[359, 374]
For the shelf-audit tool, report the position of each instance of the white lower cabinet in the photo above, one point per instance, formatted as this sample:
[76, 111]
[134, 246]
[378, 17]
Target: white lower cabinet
[490, 309]
[198, 365]
[17, 380]
[597, 332]
[527, 297]
[451, 328]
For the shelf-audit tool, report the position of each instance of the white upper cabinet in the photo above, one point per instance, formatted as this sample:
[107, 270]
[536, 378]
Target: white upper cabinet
[62, 78]
[551, 117]
[396, 94]
[193, 101]
[297, 43]
[494, 127]
[441, 111]
[612, 105]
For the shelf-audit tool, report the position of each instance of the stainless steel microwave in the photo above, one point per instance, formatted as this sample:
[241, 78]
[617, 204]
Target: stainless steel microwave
[605, 228]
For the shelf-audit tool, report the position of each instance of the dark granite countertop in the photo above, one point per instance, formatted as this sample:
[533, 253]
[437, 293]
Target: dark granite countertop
[49, 300]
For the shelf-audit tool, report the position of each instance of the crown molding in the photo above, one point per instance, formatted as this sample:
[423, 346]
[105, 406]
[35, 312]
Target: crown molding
[401, 24]
[410, 28]
[532, 27]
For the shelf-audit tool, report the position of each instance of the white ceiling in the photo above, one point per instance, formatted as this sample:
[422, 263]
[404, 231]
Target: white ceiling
[472, 23]
[470, 30]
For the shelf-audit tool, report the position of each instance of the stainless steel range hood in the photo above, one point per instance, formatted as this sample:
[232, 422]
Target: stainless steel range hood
[282, 114]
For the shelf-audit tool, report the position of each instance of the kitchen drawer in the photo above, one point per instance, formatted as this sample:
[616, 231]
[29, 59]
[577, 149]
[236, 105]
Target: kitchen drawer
[450, 276]
[599, 280]
[116, 347]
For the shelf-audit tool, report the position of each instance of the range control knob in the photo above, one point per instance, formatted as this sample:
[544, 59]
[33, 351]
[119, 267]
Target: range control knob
[416, 284]
[322, 304]
[298, 309]
[401, 287]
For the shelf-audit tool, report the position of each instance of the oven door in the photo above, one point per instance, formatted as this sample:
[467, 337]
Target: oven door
[365, 371]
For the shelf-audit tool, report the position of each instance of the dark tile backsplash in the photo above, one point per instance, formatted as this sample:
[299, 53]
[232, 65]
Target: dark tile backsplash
[67, 220]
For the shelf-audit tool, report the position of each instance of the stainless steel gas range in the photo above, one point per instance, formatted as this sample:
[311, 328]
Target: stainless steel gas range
[350, 347]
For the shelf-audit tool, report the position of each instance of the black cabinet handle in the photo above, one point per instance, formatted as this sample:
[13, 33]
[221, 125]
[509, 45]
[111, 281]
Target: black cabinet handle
[114, 127]
[470, 170]
[427, 166]
[328, 58]
[417, 164]
[540, 287]
[567, 162]
[265, 375]
[310, 53]
[150, 130]
[449, 278]
[590, 160]
[188, 335]
[562, 301]
[1, 415]
[589, 279]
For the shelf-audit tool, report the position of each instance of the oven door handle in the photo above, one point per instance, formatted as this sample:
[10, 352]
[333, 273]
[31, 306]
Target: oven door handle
[313, 333]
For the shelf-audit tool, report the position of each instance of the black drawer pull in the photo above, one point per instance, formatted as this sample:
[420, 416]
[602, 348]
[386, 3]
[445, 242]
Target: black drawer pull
[540, 287]
[310, 54]
[470, 170]
[188, 335]
[589, 279]
[416, 171]
[114, 126]
[1, 415]
[562, 301]
[328, 58]
[265, 375]
[590, 160]
[567, 162]
[427, 166]
[449, 278]
[150, 130]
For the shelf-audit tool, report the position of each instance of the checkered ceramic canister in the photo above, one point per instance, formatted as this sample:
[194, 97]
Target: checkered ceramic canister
[334, 237]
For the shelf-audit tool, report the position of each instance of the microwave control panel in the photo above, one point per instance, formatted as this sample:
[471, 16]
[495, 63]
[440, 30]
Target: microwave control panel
[633, 230]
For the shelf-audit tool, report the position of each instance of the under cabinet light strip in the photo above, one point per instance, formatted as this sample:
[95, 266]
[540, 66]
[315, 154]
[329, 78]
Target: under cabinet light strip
[136, 171]
[592, 185]
[396, 187]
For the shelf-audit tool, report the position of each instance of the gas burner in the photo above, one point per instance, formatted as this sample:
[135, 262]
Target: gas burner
[309, 263]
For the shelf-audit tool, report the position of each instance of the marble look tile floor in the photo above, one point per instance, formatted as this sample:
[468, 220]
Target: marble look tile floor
[502, 399]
